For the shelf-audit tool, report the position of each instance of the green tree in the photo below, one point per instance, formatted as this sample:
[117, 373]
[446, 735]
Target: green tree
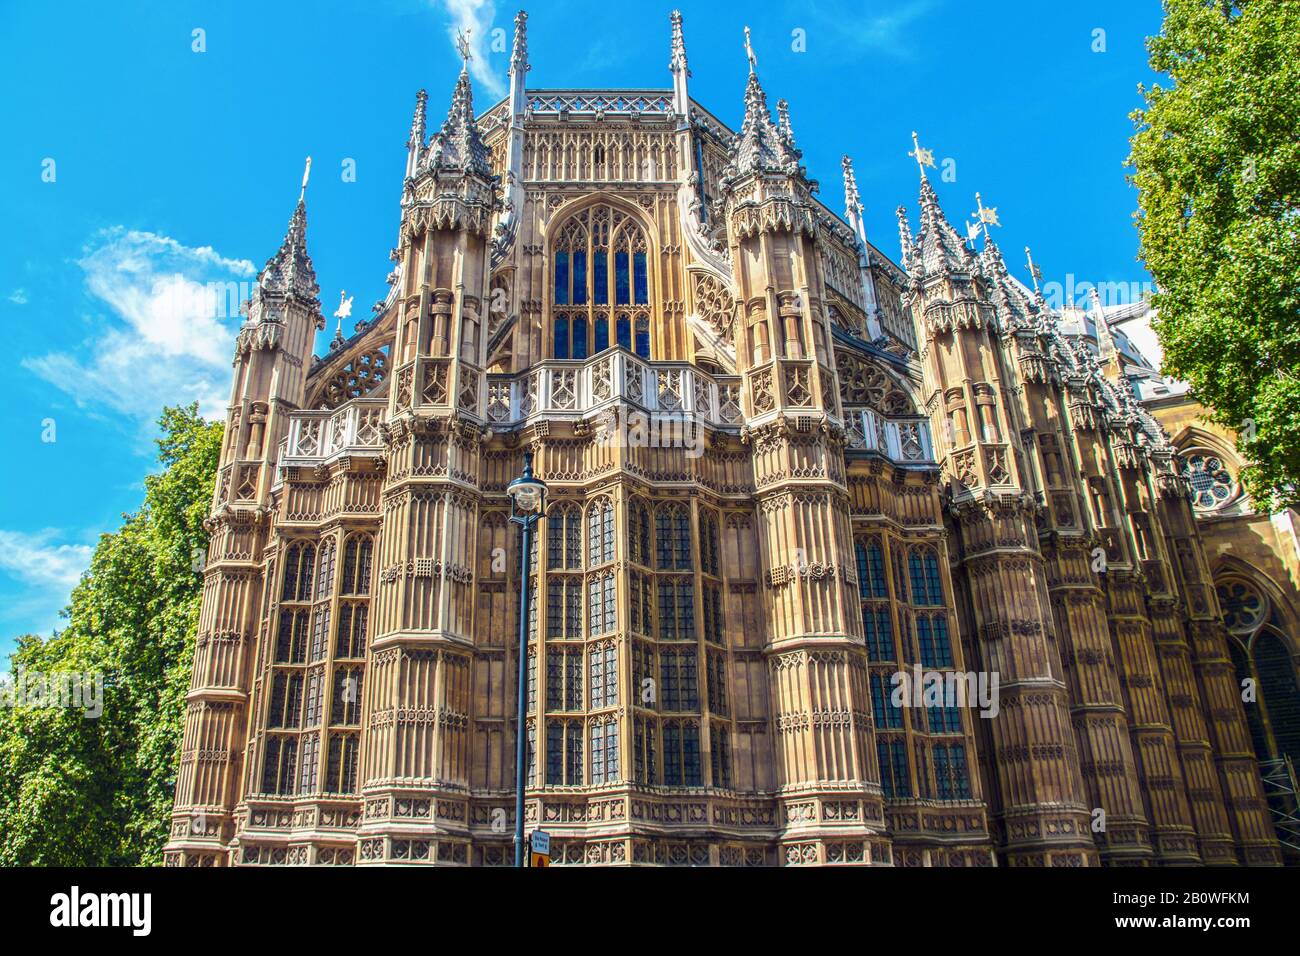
[1217, 160]
[82, 791]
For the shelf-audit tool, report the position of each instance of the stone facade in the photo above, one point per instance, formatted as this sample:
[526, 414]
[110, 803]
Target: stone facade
[782, 469]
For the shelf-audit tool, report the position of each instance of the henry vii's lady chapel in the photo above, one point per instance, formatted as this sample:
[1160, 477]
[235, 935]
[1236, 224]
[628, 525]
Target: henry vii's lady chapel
[782, 470]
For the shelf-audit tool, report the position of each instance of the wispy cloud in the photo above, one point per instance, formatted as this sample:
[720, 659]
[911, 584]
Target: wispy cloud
[176, 309]
[37, 559]
[18, 297]
[475, 18]
[889, 30]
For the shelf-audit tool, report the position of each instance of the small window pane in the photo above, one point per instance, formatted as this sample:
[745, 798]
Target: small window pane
[580, 277]
[561, 278]
[621, 279]
[600, 278]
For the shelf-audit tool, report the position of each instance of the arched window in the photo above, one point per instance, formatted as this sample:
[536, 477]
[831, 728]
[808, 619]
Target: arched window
[563, 537]
[356, 564]
[923, 566]
[291, 639]
[325, 575]
[604, 750]
[673, 538]
[299, 561]
[871, 568]
[951, 775]
[1242, 606]
[638, 532]
[600, 258]
[932, 637]
[602, 608]
[600, 532]
[1278, 689]
[345, 702]
[708, 543]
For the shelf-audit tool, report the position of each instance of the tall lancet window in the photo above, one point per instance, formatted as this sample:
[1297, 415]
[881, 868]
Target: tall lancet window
[601, 284]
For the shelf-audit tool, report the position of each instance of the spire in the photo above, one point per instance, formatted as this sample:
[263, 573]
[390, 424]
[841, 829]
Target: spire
[783, 124]
[1109, 354]
[290, 270]
[419, 121]
[761, 146]
[1017, 309]
[853, 213]
[942, 249]
[519, 52]
[852, 199]
[519, 68]
[678, 61]
[907, 254]
[415, 142]
[680, 71]
[458, 146]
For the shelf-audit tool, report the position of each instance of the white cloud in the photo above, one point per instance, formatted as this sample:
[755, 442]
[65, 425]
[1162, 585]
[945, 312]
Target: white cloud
[177, 308]
[36, 560]
[475, 18]
[18, 297]
[853, 31]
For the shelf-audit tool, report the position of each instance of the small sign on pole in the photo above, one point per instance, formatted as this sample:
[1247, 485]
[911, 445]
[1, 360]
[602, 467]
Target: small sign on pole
[539, 846]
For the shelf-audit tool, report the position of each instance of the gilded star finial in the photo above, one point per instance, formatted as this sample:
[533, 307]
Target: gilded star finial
[749, 52]
[987, 215]
[924, 157]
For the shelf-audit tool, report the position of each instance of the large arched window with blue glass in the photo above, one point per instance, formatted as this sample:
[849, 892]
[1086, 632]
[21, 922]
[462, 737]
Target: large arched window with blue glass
[600, 285]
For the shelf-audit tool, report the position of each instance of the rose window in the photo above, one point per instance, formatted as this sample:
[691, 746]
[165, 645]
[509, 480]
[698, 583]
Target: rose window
[1243, 607]
[1212, 484]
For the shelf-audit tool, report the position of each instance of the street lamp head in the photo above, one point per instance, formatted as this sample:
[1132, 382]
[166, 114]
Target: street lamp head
[527, 494]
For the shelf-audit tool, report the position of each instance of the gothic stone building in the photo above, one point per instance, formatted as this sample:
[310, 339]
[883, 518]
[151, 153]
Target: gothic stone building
[782, 470]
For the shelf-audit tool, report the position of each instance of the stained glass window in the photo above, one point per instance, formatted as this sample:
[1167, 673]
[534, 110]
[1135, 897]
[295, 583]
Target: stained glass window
[676, 609]
[932, 636]
[879, 633]
[888, 716]
[923, 564]
[563, 534]
[951, 777]
[720, 755]
[678, 680]
[345, 701]
[871, 569]
[356, 564]
[894, 780]
[351, 633]
[600, 532]
[561, 277]
[299, 560]
[584, 279]
[341, 763]
[1212, 483]
[291, 639]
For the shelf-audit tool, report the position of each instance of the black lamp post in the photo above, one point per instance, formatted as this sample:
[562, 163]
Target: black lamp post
[527, 504]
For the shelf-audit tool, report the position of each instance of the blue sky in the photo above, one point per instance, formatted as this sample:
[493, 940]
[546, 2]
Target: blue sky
[173, 168]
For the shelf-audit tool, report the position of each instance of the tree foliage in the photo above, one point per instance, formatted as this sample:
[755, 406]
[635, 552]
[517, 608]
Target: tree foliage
[83, 791]
[1217, 160]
